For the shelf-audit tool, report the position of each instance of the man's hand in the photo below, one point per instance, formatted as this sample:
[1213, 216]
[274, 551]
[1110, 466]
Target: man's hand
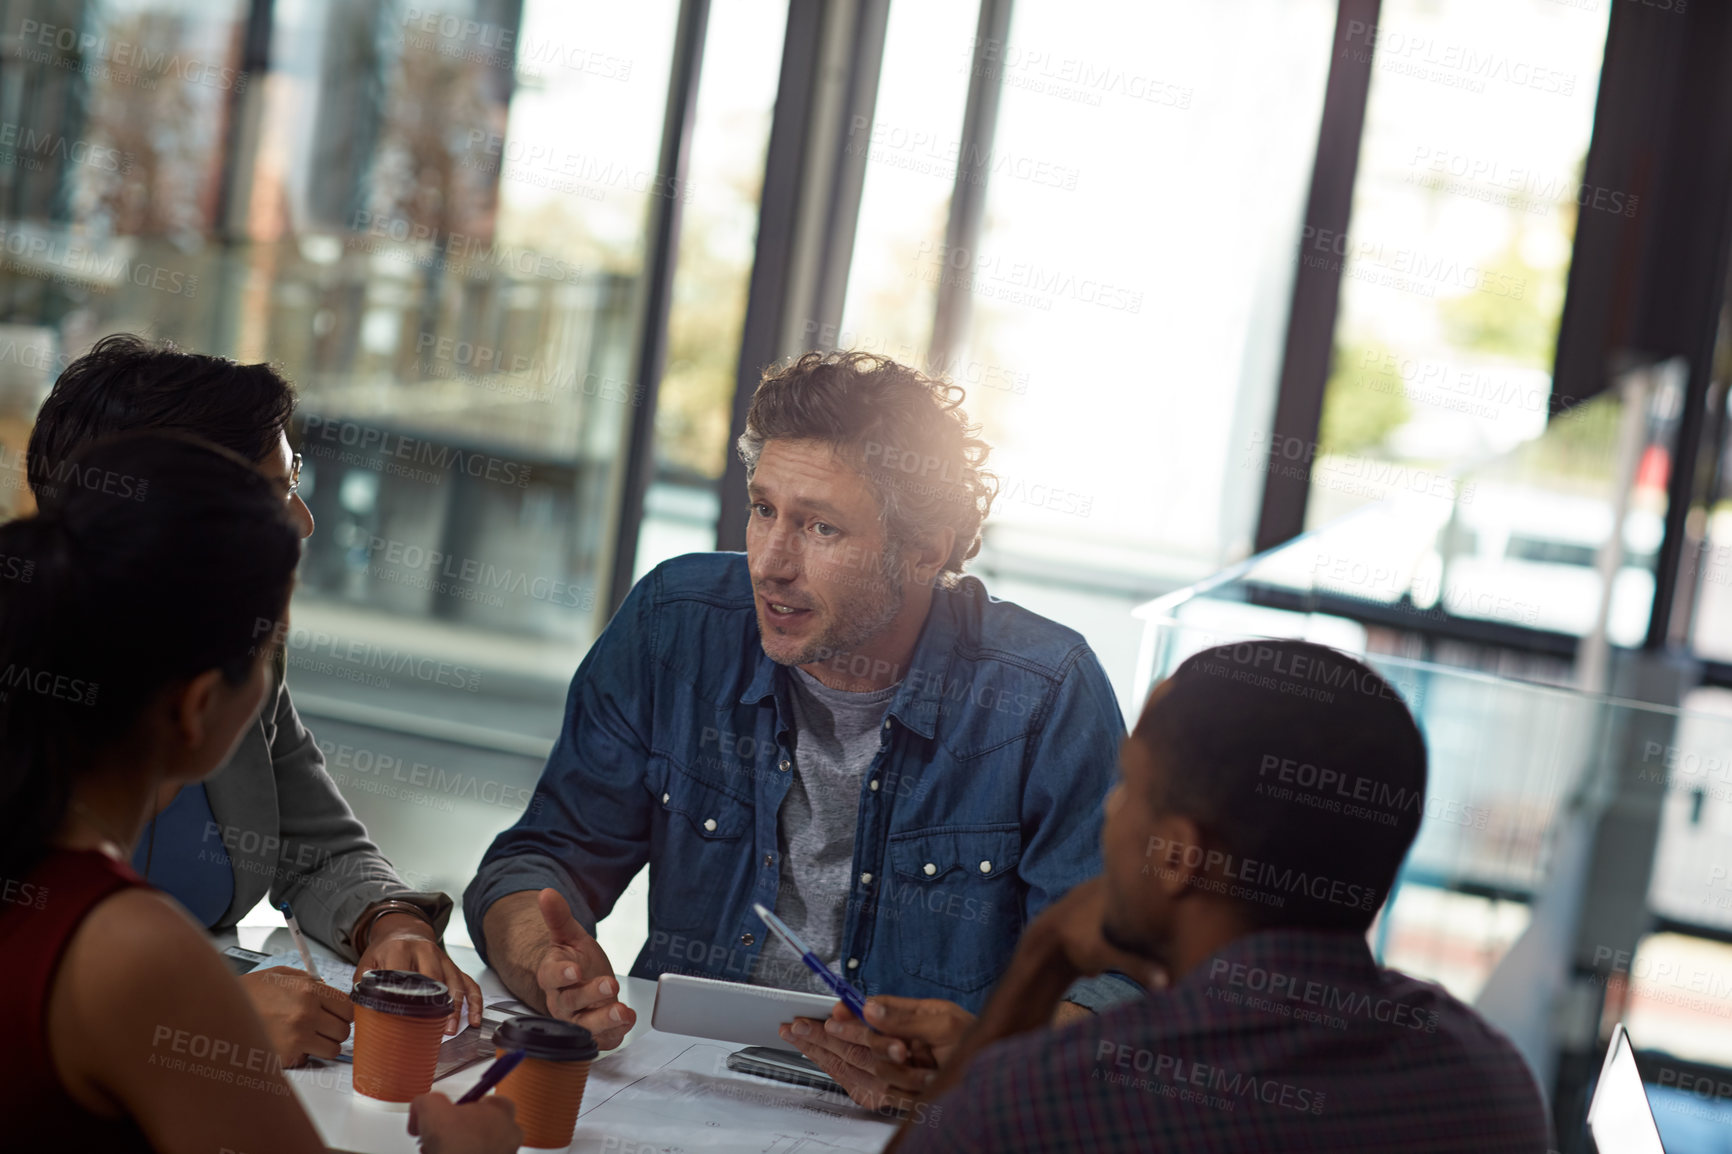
[575, 977]
[405, 942]
[884, 1071]
[302, 1015]
[1071, 928]
[1064, 943]
[485, 1127]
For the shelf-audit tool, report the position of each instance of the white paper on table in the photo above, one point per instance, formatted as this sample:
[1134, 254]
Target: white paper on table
[332, 971]
[668, 1090]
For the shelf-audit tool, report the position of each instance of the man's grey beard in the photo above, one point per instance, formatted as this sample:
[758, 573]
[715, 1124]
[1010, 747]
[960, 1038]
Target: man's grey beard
[851, 634]
[855, 627]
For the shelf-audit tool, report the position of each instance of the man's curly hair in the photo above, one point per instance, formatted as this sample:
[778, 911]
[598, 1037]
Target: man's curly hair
[904, 431]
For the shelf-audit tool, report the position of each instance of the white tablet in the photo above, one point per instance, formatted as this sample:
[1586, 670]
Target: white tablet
[732, 1011]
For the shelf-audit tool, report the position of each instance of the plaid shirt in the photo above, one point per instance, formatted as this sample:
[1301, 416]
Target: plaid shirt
[1284, 1040]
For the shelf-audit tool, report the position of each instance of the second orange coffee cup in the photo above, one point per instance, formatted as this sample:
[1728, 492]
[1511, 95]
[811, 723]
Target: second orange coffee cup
[399, 1022]
[547, 1086]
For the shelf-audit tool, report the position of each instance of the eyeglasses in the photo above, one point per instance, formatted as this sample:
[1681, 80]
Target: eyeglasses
[294, 478]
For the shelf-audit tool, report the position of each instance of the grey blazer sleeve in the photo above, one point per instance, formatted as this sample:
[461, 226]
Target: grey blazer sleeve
[324, 864]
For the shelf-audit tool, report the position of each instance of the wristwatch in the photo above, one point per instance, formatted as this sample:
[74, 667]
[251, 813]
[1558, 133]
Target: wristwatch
[364, 928]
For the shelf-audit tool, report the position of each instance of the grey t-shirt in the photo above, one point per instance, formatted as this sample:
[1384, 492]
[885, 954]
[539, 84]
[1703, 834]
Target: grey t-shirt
[836, 736]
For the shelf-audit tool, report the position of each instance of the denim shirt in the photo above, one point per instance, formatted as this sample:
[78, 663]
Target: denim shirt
[982, 805]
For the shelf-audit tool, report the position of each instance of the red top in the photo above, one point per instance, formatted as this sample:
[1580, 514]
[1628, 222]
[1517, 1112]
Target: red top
[38, 917]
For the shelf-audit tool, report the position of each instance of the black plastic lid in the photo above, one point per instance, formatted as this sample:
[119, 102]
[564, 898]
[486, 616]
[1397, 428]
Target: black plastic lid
[403, 992]
[546, 1038]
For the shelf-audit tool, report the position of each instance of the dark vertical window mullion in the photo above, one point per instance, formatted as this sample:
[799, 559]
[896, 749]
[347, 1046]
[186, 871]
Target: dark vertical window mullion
[865, 65]
[952, 309]
[767, 300]
[1713, 466]
[657, 293]
[228, 220]
[1317, 286]
[1697, 261]
[243, 113]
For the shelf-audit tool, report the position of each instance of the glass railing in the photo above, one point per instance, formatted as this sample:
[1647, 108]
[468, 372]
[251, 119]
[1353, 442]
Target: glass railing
[1506, 759]
[1502, 899]
[1506, 543]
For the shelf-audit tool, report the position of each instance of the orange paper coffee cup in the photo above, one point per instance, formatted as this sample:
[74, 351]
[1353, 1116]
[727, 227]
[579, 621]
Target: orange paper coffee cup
[547, 1086]
[399, 1021]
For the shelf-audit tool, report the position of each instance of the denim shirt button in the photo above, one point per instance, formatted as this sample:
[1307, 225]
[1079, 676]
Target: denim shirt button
[929, 869]
[853, 963]
[747, 939]
[784, 765]
[664, 799]
[874, 785]
[865, 879]
[985, 867]
[710, 824]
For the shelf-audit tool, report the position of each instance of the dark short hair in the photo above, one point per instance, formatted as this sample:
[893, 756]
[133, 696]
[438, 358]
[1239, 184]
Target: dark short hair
[1304, 769]
[126, 383]
[904, 431]
[165, 557]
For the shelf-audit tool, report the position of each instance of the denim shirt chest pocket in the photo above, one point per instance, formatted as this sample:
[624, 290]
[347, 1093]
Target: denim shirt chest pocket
[701, 835]
[955, 902]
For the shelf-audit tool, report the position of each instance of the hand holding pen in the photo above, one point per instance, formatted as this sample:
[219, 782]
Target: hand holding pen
[302, 1014]
[850, 996]
[885, 1051]
[300, 941]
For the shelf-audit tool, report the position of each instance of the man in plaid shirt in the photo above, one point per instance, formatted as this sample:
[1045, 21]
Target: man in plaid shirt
[1269, 793]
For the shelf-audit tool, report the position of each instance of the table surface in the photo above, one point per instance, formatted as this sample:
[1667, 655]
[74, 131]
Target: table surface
[350, 1122]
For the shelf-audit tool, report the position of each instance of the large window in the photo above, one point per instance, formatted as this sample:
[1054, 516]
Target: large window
[1129, 290]
[111, 182]
[440, 223]
[911, 147]
[1452, 284]
[436, 221]
[456, 299]
[737, 92]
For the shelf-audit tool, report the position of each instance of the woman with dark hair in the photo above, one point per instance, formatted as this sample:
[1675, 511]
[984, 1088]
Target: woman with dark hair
[269, 822]
[138, 618]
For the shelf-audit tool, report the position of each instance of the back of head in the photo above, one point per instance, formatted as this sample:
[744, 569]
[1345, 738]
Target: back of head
[163, 557]
[126, 383]
[1302, 767]
[905, 432]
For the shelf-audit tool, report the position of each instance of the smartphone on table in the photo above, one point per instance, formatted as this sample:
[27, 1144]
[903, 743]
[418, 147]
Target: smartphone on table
[782, 1066]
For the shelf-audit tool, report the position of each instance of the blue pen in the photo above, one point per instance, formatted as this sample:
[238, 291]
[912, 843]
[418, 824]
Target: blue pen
[495, 1074]
[300, 941]
[849, 995]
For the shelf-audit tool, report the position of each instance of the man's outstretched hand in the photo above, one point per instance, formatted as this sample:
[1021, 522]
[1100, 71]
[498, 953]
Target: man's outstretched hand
[575, 977]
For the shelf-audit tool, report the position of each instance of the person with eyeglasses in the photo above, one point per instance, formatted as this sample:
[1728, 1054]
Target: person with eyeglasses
[269, 822]
[138, 653]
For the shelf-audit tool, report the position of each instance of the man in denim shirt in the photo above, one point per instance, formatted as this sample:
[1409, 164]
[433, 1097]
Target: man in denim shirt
[838, 725]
